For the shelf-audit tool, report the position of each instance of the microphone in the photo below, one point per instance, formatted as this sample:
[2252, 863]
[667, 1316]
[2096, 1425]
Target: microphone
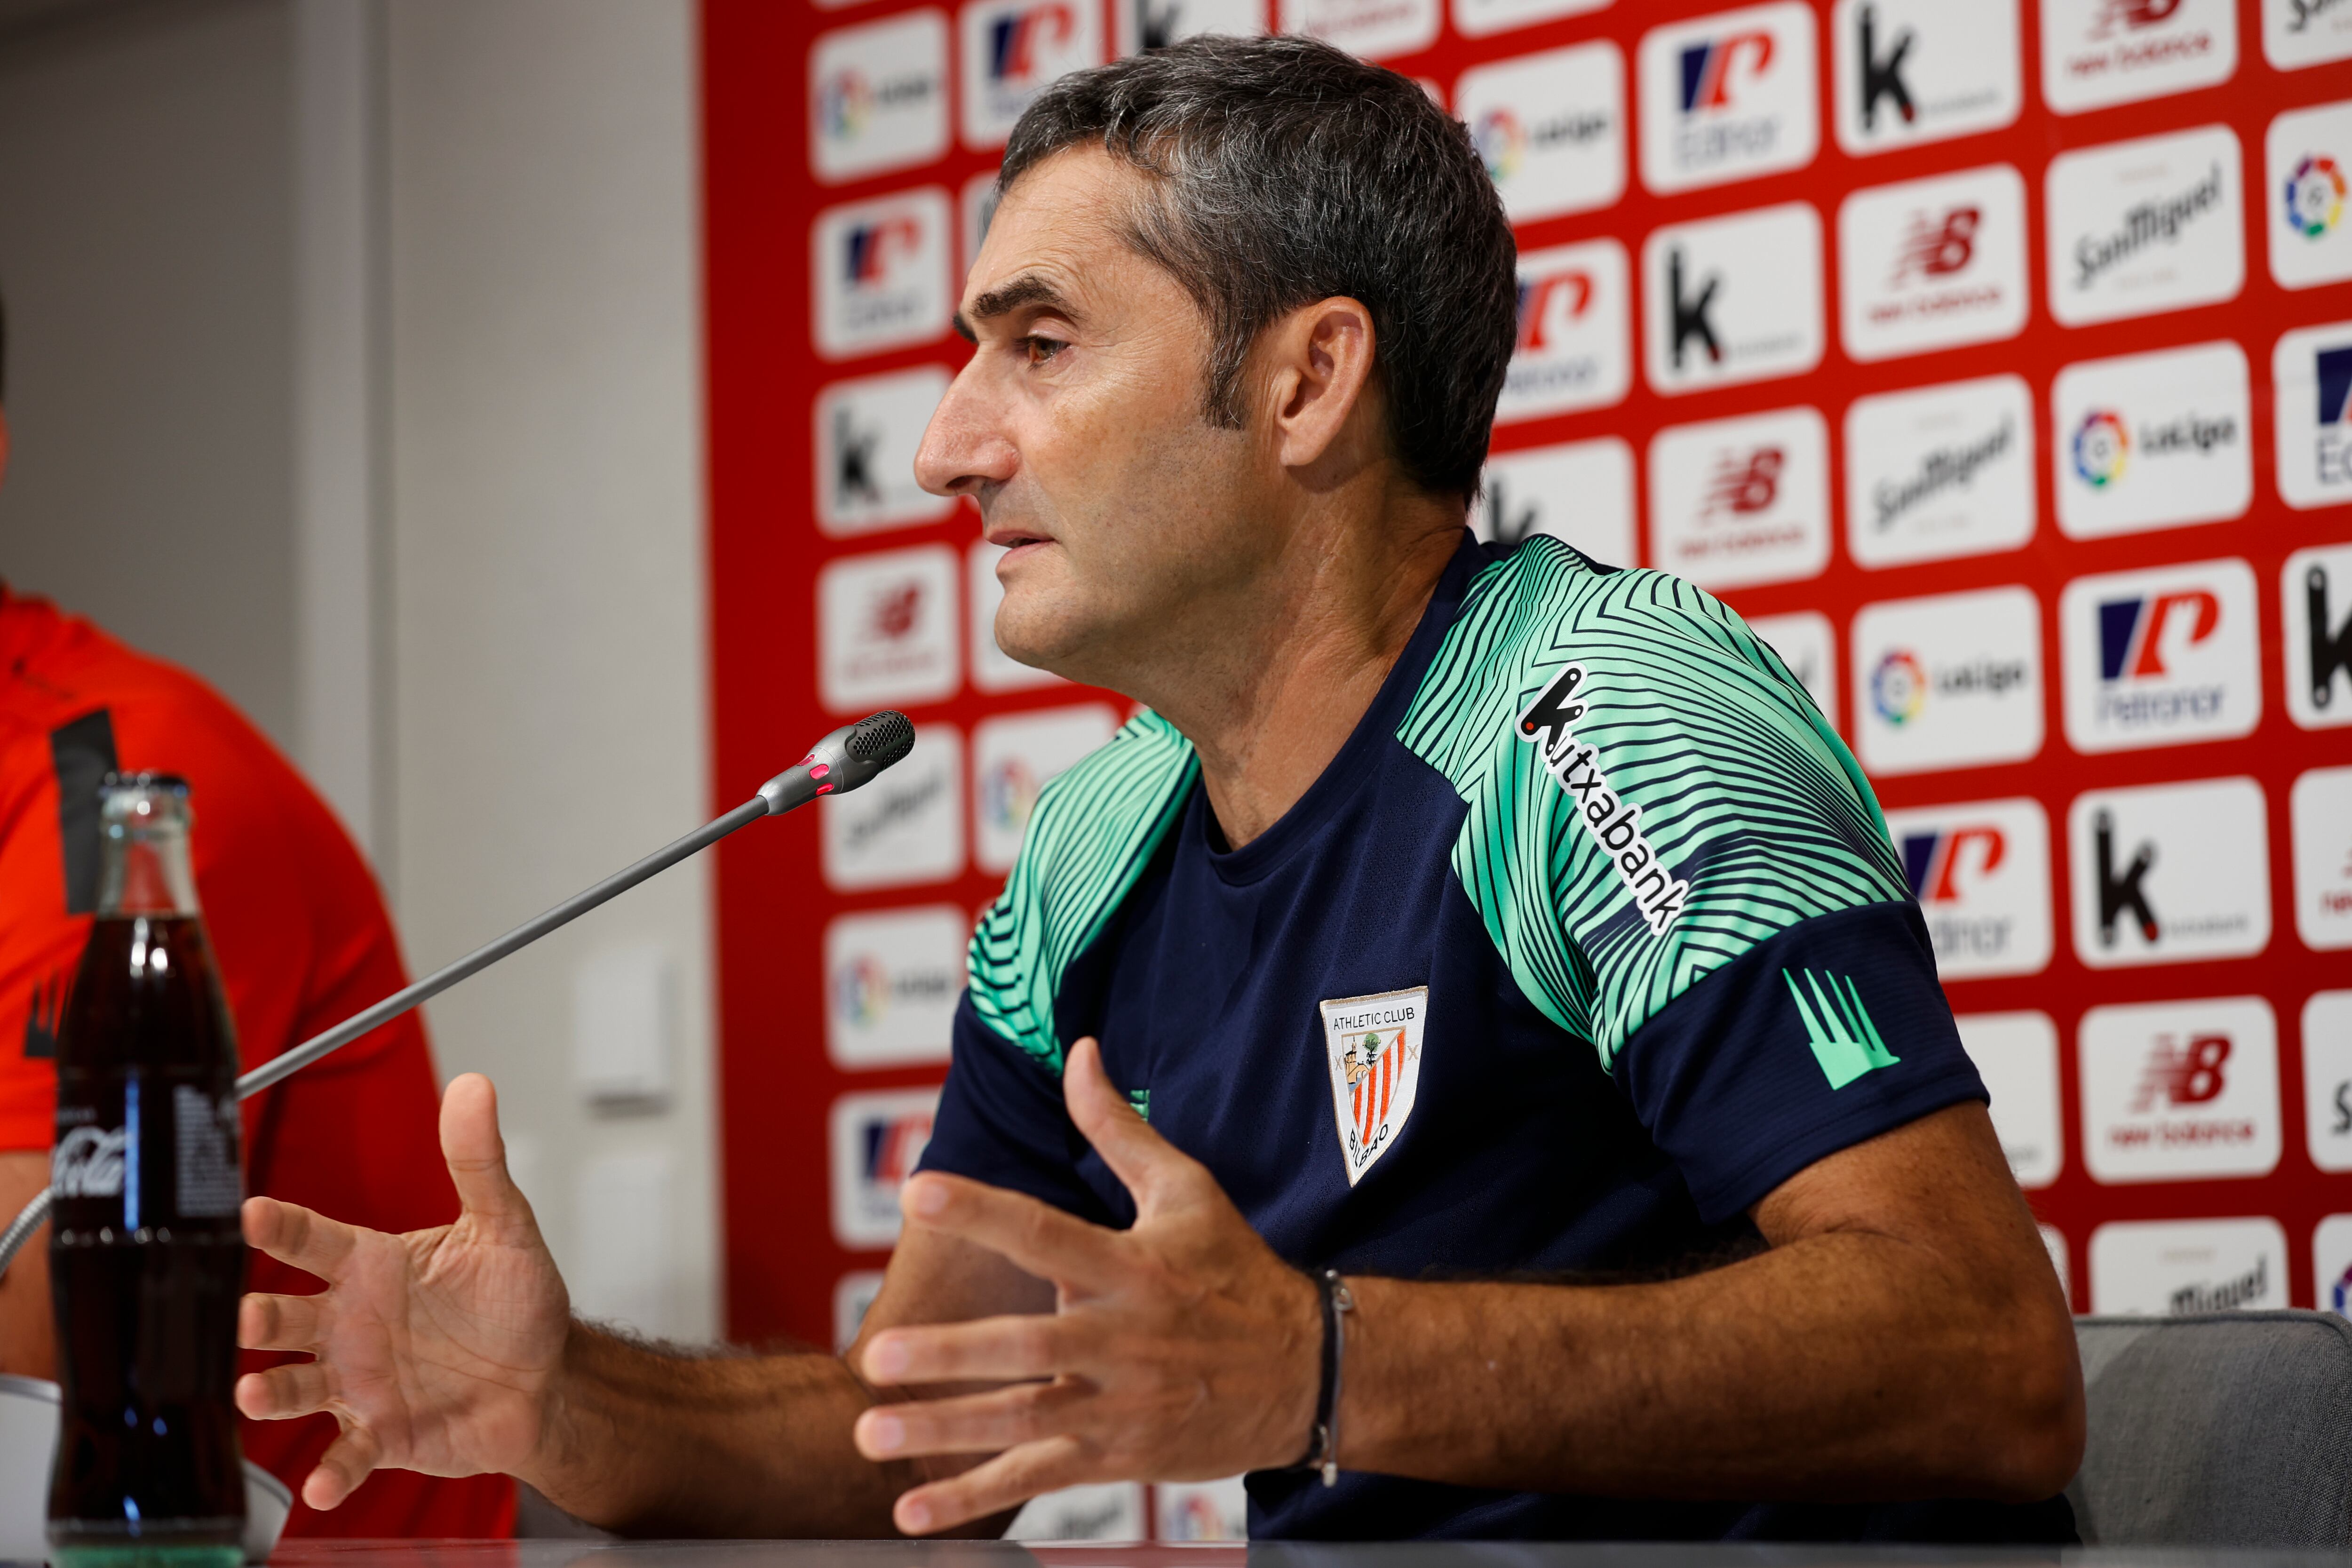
[847, 759]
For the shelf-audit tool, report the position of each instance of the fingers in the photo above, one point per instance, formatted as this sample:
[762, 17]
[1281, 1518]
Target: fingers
[278, 1322]
[1036, 1236]
[476, 1154]
[284, 1392]
[1006, 1481]
[345, 1464]
[292, 1234]
[991, 1350]
[975, 1424]
[1147, 1162]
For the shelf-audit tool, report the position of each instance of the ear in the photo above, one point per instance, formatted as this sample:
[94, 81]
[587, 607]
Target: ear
[1319, 370]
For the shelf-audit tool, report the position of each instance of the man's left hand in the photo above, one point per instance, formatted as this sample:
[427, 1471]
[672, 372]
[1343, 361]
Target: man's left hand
[1181, 1349]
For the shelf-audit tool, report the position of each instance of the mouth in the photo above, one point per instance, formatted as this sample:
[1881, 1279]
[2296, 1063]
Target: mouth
[1015, 540]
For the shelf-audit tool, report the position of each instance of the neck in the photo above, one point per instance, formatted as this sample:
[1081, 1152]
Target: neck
[1269, 697]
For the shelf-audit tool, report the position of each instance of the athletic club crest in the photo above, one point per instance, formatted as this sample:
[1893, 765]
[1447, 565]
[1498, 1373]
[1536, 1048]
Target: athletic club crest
[1374, 1046]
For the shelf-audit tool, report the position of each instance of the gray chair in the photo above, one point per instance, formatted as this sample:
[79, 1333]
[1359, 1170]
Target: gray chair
[2217, 1429]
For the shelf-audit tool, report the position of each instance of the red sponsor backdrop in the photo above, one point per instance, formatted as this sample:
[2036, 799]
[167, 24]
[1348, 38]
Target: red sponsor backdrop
[810, 111]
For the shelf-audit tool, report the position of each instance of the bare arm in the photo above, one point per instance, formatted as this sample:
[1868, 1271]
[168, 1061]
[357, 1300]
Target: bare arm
[28, 1331]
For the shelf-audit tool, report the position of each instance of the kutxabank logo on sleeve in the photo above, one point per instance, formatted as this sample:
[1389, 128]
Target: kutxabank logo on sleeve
[2167, 873]
[1727, 96]
[878, 96]
[1950, 681]
[1155, 24]
[887, 627]
[2173, 1267]
[1550, 128]
[2327, 1082]
[2016, 1054]
[881, 273]
[2152, 440]
[1733, 299]
[1932, 264]
[1909, 71]
[2319, 811]
[2178, 1090]
[1478, 18]
[2100, 52]
[2308, 155]
[1613, 823]
[1012, 50]
[2311, 379]
[1374, 29]
[1013, 757]
[904, 828]
[1575, 323]
[875, 1141]
[1807, 644]
[1581, 492]
[868, 432]
[1981, 873]
[1940, 472]
[891, 980]
[1374, 1045]
[1741, 502]
[2300, 33]
[2136, 227]
[2160, 657]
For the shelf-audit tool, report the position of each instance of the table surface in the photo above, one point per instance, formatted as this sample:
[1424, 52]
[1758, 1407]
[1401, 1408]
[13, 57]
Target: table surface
[1006, 1554]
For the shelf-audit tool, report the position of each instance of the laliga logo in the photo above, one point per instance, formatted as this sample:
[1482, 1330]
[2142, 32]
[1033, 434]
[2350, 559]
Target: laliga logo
[1549, 304]
[2132, 13]
[1708, 68]
[1013, 41]
[2101, 446]
[1008, 794]
[870, 250]
[2315, 195]
[2131, 631]
[861, 990]
[893, 1146]
[1502, 143]
[1899, 687]
[1931, 861]
[2184, 1074]
[848, 104]
[1937, 248]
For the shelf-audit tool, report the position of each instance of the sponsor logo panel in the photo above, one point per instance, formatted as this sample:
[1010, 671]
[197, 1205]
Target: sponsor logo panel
[888, 626]
[1375, 29]
[1017, 756]
[905, 828]
[1550, 129]
[878, 96]
[2176, 1091]
[852, 1295]
[1951, 681]
[891, 980]
[868, 432]
[2320, 809]
[1478, 18]
[2136, 227]
[876, 1140]
[2173, 1267]
[2016, 1054]
[1012, 50]
[1727, 96]
[881, 273]
[1932, 264]
[2099, 52]
[2300, 33]
[1808, 646]
[2152, 440]
[993, 669]
[2327, 1080]
[1204, 1510]
[2311, 378]
[1575, 323]
[1940, 472]
[1581, 492]
[1738, 501]
[2331, 1257]
[1909, 71]
[2167, 873]
[2307, 154]
[1103, 1511]
[1155, 24]
[1982, 873]
[2157, 658]
[977, 206]
[1733, 299]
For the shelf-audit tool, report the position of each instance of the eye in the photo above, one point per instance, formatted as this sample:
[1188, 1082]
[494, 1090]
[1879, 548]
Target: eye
[1038, 350]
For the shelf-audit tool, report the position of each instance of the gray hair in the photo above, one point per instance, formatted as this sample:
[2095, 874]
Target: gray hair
[1287, 172]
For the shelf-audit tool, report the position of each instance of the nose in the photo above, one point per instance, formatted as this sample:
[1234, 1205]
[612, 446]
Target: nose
[966, 448]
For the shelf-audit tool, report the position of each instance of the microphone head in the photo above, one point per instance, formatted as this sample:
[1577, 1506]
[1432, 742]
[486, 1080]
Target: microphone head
[849, 757]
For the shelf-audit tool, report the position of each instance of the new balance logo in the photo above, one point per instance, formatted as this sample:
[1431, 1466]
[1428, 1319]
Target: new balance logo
[1837, 1027]
[2132, 13]
[1613, 823]
[2330, 645]
[2186, 1072]
[1882, 76]
[1938, 247]
[1690, 315]
[1743, 486]
[2123, 892]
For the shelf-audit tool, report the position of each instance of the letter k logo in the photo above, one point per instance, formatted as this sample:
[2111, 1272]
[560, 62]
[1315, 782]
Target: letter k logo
[1883, 77]
[1691, 318]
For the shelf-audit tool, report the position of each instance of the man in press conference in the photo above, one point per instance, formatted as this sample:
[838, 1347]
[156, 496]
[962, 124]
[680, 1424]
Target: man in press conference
[1465, 1055]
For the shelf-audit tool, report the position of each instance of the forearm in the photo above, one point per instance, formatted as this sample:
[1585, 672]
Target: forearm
[648, 1442]
[1851, 1365]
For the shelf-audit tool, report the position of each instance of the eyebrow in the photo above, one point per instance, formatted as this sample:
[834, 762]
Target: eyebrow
[1026, 289]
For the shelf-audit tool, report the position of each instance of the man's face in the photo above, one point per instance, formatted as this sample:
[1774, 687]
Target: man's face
[1077, 428]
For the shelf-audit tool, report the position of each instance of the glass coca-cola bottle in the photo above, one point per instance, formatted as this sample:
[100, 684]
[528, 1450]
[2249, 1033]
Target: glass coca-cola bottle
[146, 1259]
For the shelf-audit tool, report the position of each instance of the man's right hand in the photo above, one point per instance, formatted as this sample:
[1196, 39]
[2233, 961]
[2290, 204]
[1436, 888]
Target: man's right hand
[437, 1350]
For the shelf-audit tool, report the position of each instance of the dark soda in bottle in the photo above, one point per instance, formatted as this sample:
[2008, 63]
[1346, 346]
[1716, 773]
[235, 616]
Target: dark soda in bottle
[146, 1256]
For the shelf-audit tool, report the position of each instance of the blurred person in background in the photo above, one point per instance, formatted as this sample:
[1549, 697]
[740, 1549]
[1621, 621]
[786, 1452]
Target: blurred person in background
[303, 942]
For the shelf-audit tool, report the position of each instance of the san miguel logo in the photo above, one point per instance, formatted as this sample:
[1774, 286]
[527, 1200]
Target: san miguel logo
[1613, 823]
[1374, 1046]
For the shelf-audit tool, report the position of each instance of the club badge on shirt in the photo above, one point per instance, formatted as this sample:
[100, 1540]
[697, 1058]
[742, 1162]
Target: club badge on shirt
[1374, 1046]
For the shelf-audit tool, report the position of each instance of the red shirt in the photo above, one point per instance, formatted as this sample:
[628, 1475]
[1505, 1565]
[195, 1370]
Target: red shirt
[299, 929]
